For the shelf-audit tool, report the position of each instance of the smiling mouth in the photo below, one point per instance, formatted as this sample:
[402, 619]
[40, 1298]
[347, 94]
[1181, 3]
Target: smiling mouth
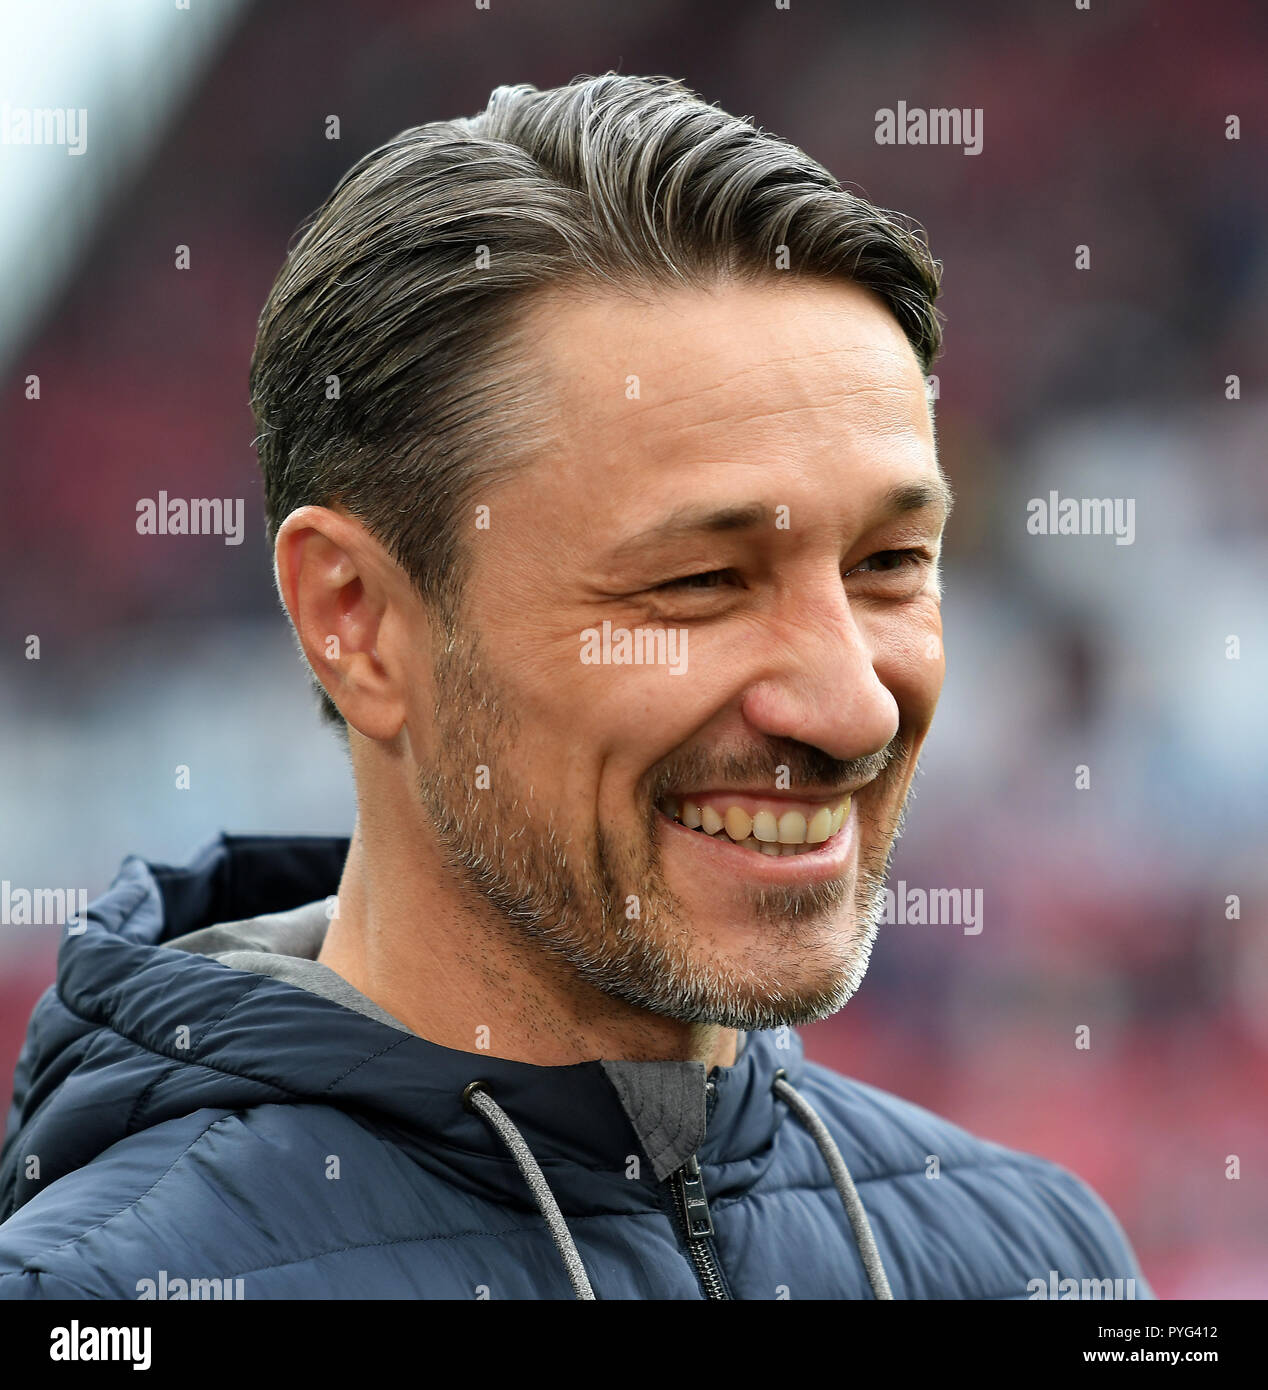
[773, 828]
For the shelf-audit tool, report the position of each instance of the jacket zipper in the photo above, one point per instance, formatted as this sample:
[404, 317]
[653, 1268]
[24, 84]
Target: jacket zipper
[691, 1206]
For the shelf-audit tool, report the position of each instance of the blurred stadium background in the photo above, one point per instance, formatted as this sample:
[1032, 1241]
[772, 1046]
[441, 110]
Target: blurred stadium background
[1106, 906]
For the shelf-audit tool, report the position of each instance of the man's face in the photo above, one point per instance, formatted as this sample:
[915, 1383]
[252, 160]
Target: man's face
[751, 474]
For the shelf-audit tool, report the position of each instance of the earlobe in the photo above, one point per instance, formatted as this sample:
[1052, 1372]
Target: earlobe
[335, 585]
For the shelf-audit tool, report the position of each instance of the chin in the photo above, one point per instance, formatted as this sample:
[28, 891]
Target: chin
[758, 991]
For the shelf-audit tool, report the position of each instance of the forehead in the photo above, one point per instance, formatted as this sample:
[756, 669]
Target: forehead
[801, 381]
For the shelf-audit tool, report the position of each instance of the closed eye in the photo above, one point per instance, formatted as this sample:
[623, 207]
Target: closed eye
[707, 580]
[887, 561]
[882, 562]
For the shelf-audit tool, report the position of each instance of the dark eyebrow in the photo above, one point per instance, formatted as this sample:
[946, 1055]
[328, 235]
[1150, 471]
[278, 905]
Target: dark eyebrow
[915, 497]
[687, 521]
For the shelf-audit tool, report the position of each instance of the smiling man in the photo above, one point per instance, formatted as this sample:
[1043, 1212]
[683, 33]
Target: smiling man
[600, 359]
[651, 864]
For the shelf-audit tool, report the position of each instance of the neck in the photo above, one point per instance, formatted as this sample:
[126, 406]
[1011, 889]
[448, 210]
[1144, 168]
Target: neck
[440, 958]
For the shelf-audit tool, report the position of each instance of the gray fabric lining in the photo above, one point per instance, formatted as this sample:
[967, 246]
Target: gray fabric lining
[312, 976]
[665, 1102]
[298, 932]
[284, 945]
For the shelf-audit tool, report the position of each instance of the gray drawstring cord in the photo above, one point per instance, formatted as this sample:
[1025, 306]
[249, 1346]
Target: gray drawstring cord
[476, 1097]
[846, 1190]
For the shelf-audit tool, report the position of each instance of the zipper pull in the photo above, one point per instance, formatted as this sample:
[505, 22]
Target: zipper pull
[695, 1205]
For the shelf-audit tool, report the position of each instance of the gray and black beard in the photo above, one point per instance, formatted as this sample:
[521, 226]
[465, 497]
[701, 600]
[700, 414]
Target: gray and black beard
[604, 906]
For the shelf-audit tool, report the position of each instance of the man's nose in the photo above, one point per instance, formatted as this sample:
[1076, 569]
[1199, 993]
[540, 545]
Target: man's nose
[823, 689]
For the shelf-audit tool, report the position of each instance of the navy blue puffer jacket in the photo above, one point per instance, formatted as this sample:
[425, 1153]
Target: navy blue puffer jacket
[202, 1109]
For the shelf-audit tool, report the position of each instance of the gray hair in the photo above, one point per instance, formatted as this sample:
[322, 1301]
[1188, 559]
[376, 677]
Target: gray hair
[390, 373]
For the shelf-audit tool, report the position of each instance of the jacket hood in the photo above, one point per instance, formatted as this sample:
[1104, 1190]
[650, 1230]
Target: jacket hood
[142, 1028]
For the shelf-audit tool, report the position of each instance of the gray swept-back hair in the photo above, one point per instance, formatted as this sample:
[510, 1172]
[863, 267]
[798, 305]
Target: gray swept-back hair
[390, 374]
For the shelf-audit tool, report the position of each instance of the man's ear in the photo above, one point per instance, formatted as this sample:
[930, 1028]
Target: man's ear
[347, 600]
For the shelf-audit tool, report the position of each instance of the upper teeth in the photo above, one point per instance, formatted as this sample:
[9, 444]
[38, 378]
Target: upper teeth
[812, 826]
